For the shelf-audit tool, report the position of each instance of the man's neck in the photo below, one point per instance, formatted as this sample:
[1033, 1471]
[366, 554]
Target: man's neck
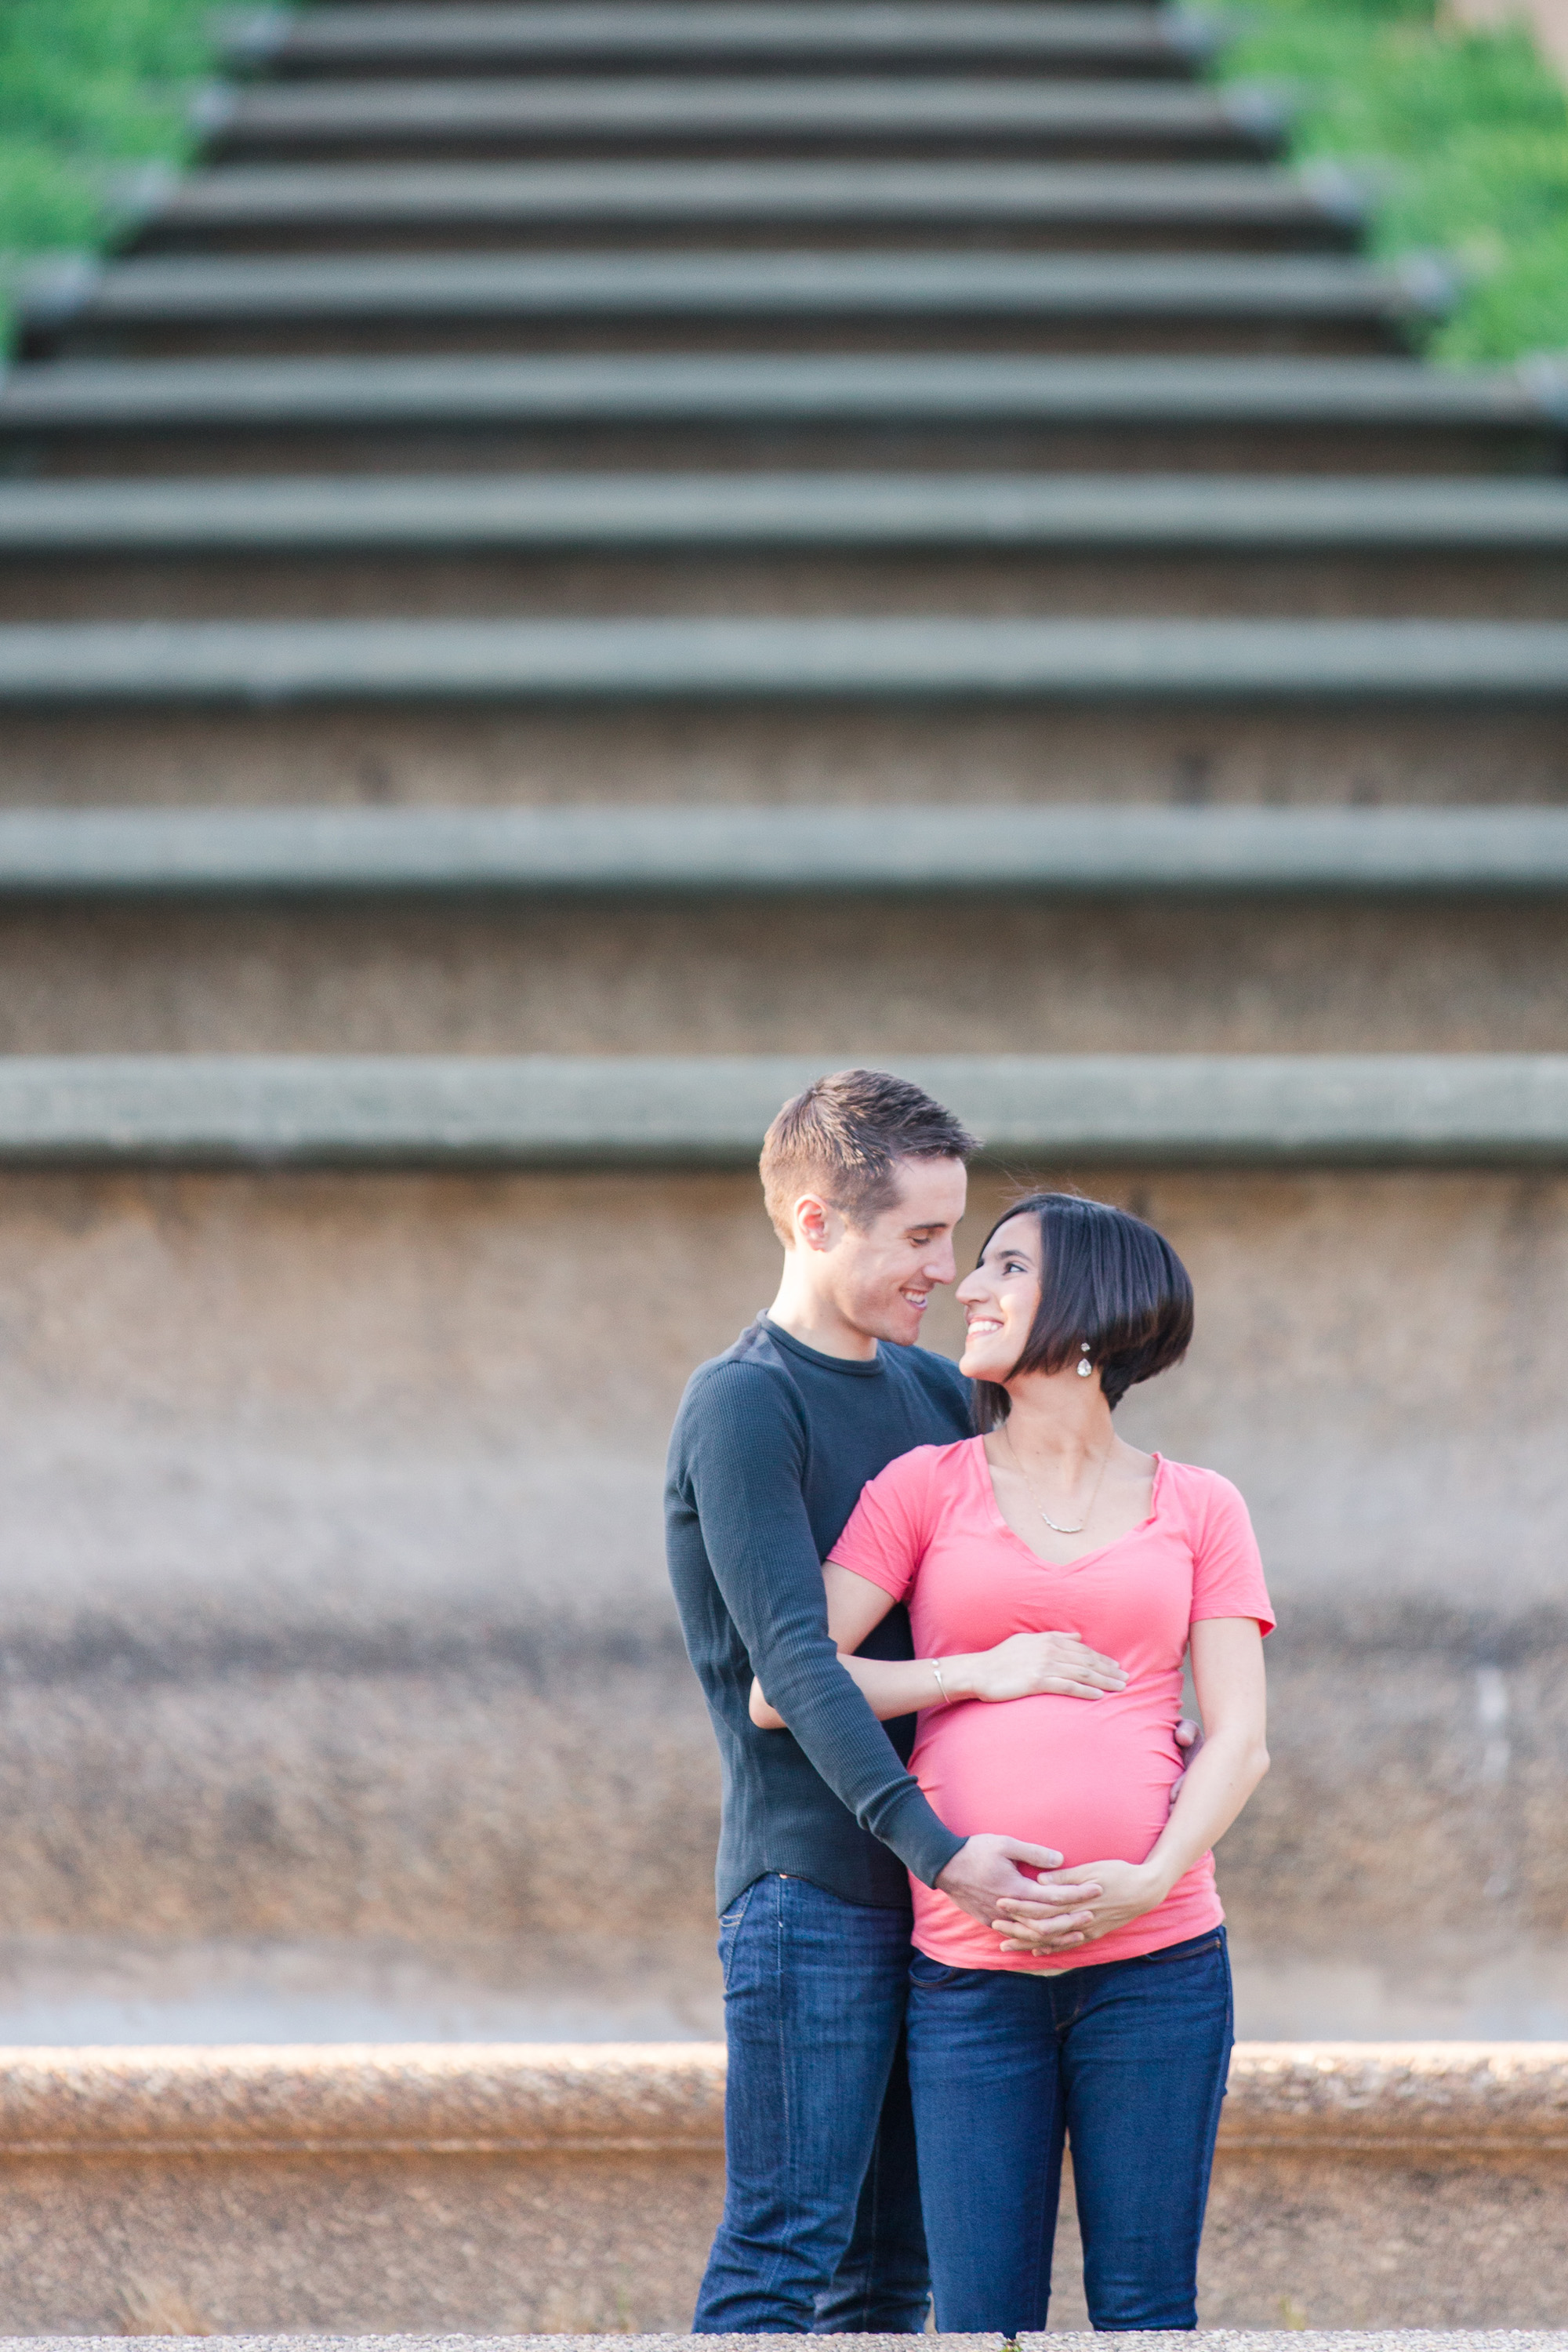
[816, 1322]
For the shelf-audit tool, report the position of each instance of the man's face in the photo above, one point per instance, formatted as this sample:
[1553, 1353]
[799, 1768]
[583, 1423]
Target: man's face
[882, 1277]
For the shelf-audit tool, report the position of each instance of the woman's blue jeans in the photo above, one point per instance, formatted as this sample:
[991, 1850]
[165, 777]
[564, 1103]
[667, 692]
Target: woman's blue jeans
[1128, 2061]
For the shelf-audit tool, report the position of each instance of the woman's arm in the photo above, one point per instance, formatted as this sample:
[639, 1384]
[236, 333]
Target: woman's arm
[1016, 1668]
[1227, 1671]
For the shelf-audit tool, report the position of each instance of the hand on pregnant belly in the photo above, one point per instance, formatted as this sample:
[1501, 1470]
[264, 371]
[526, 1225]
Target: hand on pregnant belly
[1113, 1893]
[1026, 1665]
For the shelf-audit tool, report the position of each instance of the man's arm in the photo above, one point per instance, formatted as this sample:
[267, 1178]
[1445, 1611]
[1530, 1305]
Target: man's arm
[748, 1461]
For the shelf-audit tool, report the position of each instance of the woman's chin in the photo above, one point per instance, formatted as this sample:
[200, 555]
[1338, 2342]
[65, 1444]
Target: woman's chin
[980, 1364]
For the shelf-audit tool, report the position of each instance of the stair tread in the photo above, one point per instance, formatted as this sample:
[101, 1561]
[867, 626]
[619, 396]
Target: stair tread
[729, 660]
[337, 195]
[707, 105]
[542, 511]
[355, 36]
[1162, 850]
[538, 1108]
[81, 396]
[721, 284]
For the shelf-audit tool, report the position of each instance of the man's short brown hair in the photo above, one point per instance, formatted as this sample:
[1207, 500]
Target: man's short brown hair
[842, 1138]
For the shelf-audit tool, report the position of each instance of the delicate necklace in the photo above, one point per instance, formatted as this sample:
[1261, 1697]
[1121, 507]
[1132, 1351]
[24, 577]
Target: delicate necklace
[1039, 1506]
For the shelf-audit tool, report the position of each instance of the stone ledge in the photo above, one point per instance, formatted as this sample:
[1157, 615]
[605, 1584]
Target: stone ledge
[478, 391]
[984, 514]
[1443, 2100]
[1175, 663]
[739, 286]
[75, 853]
[1225, 2339]
[711, 1110]
[817, 37]
[797, 195]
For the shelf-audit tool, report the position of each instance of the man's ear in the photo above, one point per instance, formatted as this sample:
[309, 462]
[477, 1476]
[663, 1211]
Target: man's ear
[818, 1222]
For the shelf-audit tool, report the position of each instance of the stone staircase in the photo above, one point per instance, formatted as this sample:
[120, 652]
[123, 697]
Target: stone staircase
[592, 559]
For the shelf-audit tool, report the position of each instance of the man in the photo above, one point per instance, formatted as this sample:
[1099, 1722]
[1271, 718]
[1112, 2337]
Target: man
[864, 1178]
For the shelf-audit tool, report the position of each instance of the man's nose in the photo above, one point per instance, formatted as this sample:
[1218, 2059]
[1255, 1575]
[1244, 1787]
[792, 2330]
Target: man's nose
[942, 1265]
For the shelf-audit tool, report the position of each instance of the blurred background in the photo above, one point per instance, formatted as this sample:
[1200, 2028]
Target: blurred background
[341, 1693]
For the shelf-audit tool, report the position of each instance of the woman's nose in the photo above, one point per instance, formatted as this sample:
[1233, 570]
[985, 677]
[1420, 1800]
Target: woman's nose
[970, 1287]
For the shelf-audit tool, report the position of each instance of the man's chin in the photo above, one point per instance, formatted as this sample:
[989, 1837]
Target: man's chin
[901, 1325]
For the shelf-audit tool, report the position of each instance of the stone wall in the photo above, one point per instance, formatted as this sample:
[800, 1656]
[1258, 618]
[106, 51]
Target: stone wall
[562, 2189]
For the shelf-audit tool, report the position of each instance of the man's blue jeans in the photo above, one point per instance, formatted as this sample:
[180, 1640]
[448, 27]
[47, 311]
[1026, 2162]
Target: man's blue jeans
[821, 2233]
[1128, 2060]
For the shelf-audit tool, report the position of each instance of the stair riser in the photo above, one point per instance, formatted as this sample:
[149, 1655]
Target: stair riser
[405, 1439]
[1336, 336]
[1106, 60]
[1293, 235]
[1220, 448]
[264, 755]
[1216, 142]
[940, 973]
[1485, 586]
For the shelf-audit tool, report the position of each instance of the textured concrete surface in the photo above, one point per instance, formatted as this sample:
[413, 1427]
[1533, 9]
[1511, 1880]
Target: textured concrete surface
[335, 1605]
[706, 1111]
[574, 2189]
[740, 975]
[266, 756]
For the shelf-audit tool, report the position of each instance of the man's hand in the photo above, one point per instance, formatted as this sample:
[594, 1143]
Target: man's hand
[984, 1875]
[1189, 1739]
[1116, 1892]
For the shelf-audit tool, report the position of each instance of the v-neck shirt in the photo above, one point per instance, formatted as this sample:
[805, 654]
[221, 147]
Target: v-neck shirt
[1089, 1777]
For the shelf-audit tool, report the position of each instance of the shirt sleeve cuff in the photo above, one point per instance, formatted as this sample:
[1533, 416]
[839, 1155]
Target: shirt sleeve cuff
[924, 1845]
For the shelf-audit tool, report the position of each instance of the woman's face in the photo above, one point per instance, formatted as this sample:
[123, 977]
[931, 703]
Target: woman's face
[999, 1299]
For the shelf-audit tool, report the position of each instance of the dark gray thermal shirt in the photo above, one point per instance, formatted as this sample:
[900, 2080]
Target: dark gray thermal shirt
[771, 1445]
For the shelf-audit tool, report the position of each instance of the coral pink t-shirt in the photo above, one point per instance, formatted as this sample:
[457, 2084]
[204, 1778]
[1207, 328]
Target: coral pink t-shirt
[1090, 1777]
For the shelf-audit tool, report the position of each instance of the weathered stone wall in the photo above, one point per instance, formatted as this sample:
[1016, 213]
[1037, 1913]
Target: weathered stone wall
[335, 1597]
[564, 2190]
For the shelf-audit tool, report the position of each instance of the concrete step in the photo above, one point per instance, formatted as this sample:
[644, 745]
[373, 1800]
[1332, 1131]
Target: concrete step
[713, 37]
[766, 299]
[469, 546]
[1430, 664]
[663, 852]
[945, 708]
[914, 116]
[936, 410]
[245, 207]
[543, 1111]
[282, 2174]
[548, 512]
[599, 930]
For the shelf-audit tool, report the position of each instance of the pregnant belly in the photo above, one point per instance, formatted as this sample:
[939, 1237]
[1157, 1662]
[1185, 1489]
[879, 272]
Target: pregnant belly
[1091, 1777]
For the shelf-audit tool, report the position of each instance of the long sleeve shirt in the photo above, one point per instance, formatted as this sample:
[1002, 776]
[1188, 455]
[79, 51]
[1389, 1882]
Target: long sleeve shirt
[771, 1446]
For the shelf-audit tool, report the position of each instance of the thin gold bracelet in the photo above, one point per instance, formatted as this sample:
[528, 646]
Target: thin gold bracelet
[936, 1669]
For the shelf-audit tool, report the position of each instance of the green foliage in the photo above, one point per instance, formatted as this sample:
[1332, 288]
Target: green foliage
[87, 86]
[1464, 138]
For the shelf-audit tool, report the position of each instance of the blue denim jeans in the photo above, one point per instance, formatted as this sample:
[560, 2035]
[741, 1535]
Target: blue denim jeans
[821, 2231]
[1128, 2061]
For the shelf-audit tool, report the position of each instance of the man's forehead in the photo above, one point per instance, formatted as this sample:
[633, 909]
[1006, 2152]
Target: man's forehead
[929, 1192]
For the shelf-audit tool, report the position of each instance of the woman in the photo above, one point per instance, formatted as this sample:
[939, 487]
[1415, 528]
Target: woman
[1048, 1525]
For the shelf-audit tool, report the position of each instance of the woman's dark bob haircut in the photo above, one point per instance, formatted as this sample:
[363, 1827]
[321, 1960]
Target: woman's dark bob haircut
[1106, 1278]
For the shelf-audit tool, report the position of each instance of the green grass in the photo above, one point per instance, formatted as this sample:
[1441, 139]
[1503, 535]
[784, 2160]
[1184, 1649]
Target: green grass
[88, 88]
[1464, 136]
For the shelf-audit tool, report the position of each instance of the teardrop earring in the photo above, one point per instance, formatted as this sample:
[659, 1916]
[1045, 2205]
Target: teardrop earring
[1085, 1369]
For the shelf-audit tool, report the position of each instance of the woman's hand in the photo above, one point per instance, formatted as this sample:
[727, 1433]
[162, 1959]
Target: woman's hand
[1114, 1893]
[1026, 1663]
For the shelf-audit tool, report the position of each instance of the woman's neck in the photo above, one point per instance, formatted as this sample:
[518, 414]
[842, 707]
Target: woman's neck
[1059, 1420]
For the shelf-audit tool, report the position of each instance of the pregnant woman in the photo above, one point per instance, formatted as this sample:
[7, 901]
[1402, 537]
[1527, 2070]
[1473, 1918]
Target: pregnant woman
[1115, 2035]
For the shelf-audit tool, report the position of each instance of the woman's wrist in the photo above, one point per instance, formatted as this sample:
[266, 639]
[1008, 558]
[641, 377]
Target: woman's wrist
[955, 1678]
[1161, 1873]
